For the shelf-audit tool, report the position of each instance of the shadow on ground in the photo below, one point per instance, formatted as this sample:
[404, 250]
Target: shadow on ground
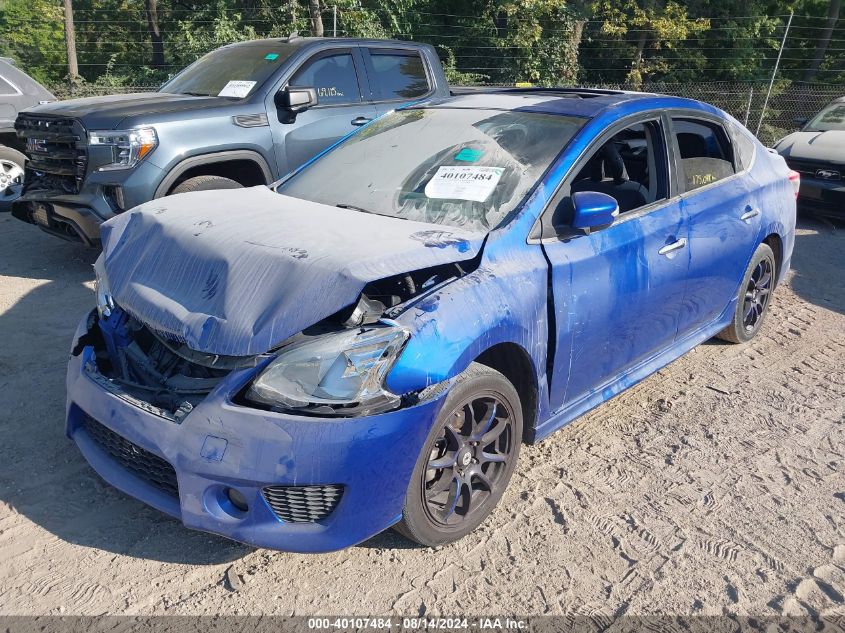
[42, 475]
[814, 278]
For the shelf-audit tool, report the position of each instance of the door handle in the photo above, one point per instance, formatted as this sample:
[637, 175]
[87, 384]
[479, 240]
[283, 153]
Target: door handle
[360, 120]
[674, 246]
[751, 213]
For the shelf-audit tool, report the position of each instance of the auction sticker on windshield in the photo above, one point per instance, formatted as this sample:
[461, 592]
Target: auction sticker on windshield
[463, 183]
[236, 89]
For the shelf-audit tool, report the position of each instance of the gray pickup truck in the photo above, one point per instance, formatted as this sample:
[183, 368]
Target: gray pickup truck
[243, 115]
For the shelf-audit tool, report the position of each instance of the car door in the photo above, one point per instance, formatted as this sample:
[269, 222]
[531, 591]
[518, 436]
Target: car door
[617, 291]
[337, 76]
[723, 212]
[395, 76]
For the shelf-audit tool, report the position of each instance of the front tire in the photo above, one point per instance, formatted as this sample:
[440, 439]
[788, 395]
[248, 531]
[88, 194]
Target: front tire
[467, 460]
[205, 183]
[754, 296]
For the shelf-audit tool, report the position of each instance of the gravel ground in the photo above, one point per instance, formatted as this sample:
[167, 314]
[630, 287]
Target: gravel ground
[717, 485]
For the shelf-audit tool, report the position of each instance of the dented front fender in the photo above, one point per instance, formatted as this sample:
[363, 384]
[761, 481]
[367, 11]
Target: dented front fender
[503, 301]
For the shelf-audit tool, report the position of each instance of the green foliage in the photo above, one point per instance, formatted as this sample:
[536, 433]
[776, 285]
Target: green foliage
[542, 42]
[32, 33]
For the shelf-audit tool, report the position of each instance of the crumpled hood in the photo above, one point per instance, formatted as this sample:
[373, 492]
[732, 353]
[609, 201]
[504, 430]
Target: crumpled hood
[816, 146]
[236, 272]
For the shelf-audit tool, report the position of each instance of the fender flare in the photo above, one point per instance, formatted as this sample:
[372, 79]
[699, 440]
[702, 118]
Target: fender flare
[209, 159]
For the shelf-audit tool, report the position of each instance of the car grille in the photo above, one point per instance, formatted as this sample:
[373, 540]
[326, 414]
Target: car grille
[811, 168]
[303, 504]
[142, 463]
[56, 150]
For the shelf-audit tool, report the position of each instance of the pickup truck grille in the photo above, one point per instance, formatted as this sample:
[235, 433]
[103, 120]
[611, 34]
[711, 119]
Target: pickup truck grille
[57, 153]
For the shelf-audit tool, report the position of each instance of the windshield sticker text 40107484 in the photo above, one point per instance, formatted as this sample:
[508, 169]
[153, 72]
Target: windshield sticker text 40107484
[463, 183]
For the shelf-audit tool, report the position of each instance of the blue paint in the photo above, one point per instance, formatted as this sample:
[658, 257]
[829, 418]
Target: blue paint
[213, 448]
[591, 315]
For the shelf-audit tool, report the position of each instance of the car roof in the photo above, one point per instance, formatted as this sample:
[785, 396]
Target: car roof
[300, 41]
[581, 102]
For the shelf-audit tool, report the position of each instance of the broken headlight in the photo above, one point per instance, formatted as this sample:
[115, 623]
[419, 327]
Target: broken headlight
[341, 372]
[105, 302]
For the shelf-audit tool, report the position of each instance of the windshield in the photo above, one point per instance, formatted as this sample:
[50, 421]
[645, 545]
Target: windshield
[231, 71]
[457, 167]
[831, 118]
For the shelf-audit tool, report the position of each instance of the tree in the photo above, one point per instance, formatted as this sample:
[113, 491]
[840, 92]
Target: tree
[155, 34]
[834, 8]
[316, 18]
[33, 34]
[70, 41]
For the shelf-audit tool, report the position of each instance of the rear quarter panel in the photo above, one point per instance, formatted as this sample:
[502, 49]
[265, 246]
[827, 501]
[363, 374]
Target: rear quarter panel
[777, 202]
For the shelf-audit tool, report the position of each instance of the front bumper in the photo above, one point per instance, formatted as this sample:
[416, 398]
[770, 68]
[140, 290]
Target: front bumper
[220, 445]
[77, 217]
[826, 197]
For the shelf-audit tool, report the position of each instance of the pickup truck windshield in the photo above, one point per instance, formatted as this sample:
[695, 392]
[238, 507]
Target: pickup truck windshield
[458, 167]
[231, 71]
[831, 118]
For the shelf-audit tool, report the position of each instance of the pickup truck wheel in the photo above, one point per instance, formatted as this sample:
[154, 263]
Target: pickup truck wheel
[752, 302]
[11, 176]
[205, 183]
[467, 460]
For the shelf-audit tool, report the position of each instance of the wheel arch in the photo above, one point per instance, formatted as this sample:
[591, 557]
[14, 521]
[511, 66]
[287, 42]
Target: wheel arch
[248, 167]
[775, 242]
[514, 363]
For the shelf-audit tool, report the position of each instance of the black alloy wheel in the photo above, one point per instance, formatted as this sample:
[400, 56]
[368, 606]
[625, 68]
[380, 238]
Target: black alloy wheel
[467, 460]
[753, 298]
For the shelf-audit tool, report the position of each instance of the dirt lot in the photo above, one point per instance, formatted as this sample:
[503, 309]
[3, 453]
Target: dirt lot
[717, 485]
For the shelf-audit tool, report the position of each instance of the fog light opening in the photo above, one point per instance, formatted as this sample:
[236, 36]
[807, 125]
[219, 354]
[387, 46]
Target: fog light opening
[237, 499]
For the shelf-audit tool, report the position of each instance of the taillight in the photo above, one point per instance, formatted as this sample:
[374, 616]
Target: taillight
[795, 179]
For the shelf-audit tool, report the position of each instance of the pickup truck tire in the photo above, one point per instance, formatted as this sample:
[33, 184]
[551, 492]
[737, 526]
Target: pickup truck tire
[11, 176]
[467, 460]
[205, 183]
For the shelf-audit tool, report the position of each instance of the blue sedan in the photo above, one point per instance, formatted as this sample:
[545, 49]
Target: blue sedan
[368, 342]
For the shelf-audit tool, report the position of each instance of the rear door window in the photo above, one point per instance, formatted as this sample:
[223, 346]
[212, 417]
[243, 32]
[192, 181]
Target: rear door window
[705, 151]
[332, 75]
[396, 75]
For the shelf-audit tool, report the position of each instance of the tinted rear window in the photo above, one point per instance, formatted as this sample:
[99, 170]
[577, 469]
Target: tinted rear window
[397, 75]
[706, 153]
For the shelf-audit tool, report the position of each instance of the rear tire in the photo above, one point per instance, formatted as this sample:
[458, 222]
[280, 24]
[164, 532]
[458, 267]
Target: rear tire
[12, 164]
[753, 298]
[467, 460]
[205, 183]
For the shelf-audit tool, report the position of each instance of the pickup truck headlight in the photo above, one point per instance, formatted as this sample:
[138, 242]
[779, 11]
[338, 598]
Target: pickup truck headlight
[127, 146]
[337, 373]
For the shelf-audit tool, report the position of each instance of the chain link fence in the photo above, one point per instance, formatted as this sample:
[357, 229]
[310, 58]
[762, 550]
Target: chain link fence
[744, 101]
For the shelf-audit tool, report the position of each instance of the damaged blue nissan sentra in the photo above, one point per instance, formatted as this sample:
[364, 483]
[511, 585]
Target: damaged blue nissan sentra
[367, 343]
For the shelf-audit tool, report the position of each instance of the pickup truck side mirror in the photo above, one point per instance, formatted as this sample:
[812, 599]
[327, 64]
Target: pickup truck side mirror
[593, 210]
[800, 121]
[296, 100]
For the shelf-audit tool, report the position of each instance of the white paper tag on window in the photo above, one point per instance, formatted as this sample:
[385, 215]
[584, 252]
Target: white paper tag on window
[236, 89]
[464, 183]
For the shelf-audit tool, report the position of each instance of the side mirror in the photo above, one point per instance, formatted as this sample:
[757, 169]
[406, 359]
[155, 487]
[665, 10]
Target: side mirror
[800, 121]
[296, 100]
[593, 210]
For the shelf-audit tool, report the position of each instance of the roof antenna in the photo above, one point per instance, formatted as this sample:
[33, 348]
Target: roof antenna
[293, 35]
